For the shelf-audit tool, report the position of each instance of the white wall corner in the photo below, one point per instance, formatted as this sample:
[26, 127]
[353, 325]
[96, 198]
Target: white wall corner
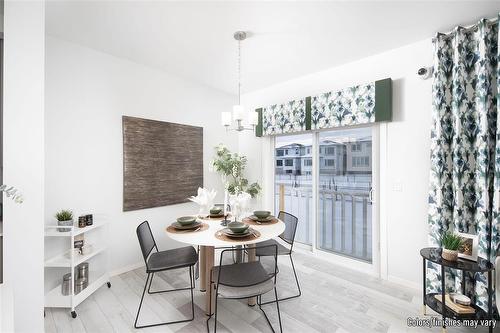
[23, 224]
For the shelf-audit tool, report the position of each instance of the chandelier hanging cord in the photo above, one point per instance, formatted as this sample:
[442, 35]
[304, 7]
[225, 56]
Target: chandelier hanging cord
[239, 36]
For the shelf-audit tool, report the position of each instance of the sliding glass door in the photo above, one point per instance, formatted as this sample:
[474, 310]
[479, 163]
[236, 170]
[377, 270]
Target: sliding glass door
[293, 181]
[344, 193]
[335, 166]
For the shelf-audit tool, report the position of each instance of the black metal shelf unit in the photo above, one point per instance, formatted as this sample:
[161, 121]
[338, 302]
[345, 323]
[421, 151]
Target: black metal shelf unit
[482, 265]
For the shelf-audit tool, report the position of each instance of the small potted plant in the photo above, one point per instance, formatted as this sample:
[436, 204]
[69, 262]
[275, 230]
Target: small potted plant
[450, 243]
[64, 218]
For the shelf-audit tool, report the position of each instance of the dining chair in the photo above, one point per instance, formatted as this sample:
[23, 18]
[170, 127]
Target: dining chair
[288, 236]
[159, 261]
[244, 280]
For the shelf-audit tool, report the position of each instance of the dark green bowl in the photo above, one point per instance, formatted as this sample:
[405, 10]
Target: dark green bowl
[215, 211]
[262, 214]
[237, 227]
[186, 220]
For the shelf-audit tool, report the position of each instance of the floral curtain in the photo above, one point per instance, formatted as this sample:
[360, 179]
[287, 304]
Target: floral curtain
[465, 149]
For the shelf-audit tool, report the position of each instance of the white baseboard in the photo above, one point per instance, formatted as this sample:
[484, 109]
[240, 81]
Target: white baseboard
[126, 269]
[337, 259]
[405, 283]
[356, 265]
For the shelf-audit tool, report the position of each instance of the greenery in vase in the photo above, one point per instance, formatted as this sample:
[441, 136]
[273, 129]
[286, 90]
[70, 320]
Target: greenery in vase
[64, 215]
[231, 167]
[451, 241]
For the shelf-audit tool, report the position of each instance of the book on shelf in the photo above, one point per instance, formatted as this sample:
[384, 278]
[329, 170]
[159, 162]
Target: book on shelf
[457, 308]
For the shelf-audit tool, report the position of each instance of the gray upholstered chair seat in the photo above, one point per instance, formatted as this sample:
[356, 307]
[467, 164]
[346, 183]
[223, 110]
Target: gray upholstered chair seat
[268, 251]
[244, 292]
[169, 259]
[243, 280]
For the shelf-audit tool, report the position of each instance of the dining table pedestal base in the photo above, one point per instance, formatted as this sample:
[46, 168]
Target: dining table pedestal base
[251, 257]
[206, 265]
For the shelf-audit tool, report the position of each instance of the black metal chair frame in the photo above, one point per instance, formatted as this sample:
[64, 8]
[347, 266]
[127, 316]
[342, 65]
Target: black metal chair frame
[273, 276]
[191, 287]
[291, 260]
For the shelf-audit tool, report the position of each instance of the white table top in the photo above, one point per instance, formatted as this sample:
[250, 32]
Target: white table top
[207, 237]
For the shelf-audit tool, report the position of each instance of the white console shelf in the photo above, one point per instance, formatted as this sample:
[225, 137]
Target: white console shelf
[66, 258]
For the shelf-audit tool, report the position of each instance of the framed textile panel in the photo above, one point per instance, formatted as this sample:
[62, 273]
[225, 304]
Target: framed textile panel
[356, 105]
[162, 162]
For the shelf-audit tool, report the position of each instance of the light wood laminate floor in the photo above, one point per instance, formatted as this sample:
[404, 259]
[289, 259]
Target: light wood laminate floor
[334, 299]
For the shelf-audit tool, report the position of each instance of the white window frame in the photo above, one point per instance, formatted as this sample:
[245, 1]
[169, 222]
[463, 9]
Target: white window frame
[378, 266]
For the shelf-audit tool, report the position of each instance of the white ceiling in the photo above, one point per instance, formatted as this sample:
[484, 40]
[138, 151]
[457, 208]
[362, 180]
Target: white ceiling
[288, 39]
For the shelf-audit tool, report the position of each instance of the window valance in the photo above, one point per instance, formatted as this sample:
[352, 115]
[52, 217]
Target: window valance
[362, 104]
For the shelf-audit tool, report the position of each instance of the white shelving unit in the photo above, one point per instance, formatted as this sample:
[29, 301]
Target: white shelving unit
[66, 258]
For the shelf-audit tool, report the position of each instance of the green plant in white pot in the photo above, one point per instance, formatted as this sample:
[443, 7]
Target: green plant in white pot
[64, 218]
[450, 243]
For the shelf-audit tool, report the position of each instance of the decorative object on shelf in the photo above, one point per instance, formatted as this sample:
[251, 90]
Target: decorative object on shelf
[205, 199]
[64, 218]
[12, 192]
[86, 249]
[162, 162]
[66, 285]
[80, 284]
[450, 242]
[231, 167]
[460, 299]
[79, 241]
[468, 249]
[361, 104]
[239, 115]
[455, 307]
[82, 271]
[82, 221]
[89, 219]
[74, 252]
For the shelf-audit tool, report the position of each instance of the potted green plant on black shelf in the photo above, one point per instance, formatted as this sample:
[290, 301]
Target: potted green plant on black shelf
[450, 242]
[64, 218]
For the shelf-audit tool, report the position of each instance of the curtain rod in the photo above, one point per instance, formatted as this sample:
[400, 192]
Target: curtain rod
[472, 27]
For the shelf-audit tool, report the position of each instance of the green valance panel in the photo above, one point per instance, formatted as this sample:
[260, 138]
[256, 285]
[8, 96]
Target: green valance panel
[362, 104]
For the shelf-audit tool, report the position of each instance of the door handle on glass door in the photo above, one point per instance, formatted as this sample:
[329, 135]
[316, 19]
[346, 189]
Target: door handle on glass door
[370, 197]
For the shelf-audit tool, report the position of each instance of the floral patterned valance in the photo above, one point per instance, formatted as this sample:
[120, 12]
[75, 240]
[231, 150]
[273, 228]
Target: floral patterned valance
[363, 104]
[283, 118]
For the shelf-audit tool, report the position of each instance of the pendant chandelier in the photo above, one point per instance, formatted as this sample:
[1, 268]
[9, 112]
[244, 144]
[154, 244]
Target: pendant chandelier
[239, 116]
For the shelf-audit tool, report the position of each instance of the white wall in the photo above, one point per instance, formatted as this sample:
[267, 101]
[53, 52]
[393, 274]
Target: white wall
[87, 92]
[404, 147]
[24, 163]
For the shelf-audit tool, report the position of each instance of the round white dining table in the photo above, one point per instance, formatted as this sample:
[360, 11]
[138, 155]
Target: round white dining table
[208, 241]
